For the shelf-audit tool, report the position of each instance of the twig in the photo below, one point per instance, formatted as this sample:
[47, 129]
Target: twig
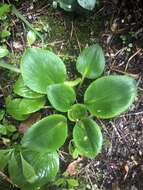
[132, 114]
[131, 59]
[4, 177]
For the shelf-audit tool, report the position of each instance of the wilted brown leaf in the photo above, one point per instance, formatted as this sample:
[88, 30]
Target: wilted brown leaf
[28, 123]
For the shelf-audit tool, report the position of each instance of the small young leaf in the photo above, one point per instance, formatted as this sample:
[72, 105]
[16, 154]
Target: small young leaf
[41, 68]
[3, 51]
[3, 130]
[48, 134]
[2, 112]
[4, 8]
[28, 171]
[22, 90]
[31, 37]
[10, 128]
[87, 4]
[4, 157]
[91, 62]
[72, 183]
[87, 137]
[61, 96]
[72, 150]
[109, 96]
[77, 112]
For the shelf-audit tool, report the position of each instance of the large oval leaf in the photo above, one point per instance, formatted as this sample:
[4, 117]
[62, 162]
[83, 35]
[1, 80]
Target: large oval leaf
[41, 68]
[20, 108]
[48, 134]
[91, 62]
[28, 106]
[87, 4]
[109, 96]
[22, 90]
[42, 165]
[87, 137]
[12, 107]
[61, 96]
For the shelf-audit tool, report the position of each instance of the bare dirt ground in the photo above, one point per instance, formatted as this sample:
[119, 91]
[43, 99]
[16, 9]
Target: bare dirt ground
[118, 27]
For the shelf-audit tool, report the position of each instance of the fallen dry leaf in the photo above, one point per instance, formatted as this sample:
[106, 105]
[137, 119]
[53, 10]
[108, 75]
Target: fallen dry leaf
[71, 169]
[28, 123]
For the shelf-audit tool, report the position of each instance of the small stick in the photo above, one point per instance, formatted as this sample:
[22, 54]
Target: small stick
[4, 177]
[131, 59]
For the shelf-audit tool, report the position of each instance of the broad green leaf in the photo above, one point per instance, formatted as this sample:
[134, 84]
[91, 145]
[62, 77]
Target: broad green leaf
[41, 68]
[20, 108]
[28, 171]
[77, 112]
[87, 4]
[10, 128]
[31, 37]
[28, 106]
[4, 157]
[2, 112]
[22, 90]
[48, 134]
[109, 96]
[69, 5]
[45, 165]
[12, 107]
[87, 137]
[91, 62]
[3, 51]
[61, 96]
[3, 130]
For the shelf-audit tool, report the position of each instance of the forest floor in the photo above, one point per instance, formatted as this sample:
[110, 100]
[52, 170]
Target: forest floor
[118, 27]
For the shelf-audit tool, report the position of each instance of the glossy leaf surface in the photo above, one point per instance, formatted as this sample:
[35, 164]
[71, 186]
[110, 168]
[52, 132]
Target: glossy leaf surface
[87, 4]
[41, 68]
[77, 112]
[28, 106]
[12, 107]
[69, 5]
[109, 96]
[22, 90]
[61, 96]
[91, 62]
[28, 171]
[45, 166]
[48, 134]
[20, 108]
[87, 137]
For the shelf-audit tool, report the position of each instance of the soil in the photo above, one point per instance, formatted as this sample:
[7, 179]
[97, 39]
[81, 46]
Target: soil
[118, 27]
